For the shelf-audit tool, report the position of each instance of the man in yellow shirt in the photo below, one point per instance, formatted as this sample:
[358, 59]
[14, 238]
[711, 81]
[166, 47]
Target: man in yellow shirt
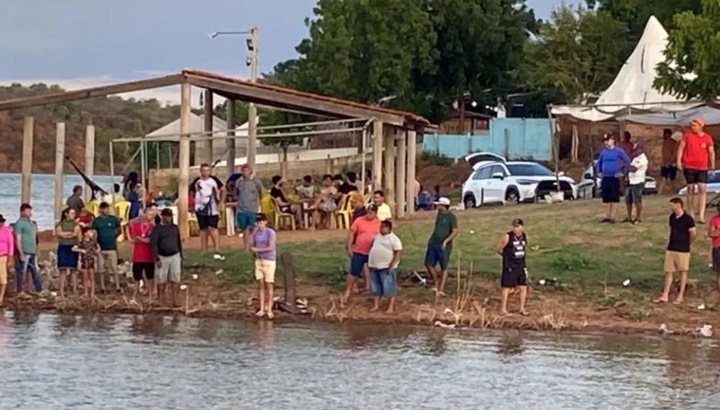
[384, 212]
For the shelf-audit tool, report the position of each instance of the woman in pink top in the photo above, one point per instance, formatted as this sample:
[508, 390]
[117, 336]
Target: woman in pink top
[7, 250]
[359, 241]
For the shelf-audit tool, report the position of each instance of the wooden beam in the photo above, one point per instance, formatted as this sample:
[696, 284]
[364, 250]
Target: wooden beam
[59, 169]
[208, 126]
[89, 157]
[273, 98]
[102, 91]
[410, 171]
[230, 144]
[184, 162]
[27, 160]
[389, 168]
[377, 146]
[400, 175]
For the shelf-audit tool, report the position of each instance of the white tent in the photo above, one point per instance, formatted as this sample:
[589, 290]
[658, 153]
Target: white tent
[631, 97]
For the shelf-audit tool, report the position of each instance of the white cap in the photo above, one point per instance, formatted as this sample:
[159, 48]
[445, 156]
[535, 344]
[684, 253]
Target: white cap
[442, 201]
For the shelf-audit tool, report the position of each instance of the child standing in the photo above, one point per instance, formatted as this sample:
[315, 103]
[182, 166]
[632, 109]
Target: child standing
[262, 244]
[89, 250]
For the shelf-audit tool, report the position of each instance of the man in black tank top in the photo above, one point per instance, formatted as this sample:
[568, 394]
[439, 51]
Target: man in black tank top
[512, 248]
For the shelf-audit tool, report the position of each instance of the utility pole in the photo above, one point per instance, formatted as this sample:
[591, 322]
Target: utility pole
[252, 62]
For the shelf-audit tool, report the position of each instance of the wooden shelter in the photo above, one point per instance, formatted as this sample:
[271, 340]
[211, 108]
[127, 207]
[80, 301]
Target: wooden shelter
[394, 133]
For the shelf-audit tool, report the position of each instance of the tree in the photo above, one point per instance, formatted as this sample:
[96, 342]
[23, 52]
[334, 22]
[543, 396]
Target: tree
[577, 52]
[635, 13]
[692, 58]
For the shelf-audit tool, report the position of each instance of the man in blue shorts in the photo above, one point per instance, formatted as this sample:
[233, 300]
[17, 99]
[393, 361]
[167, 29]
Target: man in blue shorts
[439, 245]
[249, 191]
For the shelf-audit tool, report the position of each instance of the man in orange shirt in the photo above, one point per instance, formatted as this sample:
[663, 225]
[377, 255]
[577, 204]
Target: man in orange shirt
[668, 166]
[359, 242]
[696, 157]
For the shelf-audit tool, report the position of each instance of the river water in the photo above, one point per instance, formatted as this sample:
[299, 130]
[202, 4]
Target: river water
[132, 362]
[43, 194]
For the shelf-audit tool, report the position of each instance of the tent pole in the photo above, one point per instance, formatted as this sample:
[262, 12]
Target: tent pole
[556, 147]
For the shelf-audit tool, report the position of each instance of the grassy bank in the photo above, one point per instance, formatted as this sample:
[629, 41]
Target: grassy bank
[589, 261]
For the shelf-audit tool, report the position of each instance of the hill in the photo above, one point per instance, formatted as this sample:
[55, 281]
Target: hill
[113, 117]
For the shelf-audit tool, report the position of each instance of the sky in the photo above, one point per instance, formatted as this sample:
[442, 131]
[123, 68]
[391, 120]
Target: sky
[84, 43]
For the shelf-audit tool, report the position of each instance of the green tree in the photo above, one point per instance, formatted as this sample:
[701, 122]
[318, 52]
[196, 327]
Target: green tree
[692, 58]
[577, 52]
[635, 13]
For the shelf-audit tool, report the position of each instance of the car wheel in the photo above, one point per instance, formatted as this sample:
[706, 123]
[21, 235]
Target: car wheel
[512, 197]
[469, 201]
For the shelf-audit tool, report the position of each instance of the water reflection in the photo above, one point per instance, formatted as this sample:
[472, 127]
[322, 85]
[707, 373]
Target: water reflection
[175, 362]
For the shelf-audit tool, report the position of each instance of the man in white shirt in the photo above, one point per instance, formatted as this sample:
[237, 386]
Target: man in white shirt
[383, 261]
[636, 183]
[209, 193]
[384, 212]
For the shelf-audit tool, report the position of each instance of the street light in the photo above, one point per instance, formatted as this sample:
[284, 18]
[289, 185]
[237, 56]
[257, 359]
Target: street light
[252, 62]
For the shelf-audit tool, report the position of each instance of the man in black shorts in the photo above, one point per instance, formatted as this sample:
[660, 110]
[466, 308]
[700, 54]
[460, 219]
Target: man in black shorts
[668, 169]
[610, 165]
[209, 193]
[512, 248]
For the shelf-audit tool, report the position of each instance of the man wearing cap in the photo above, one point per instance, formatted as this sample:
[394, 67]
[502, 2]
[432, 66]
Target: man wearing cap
[167, 247]
[7, 251]
[439, 245]
[512, 248]
[610, 165]
[108, 228]
[636, 183]
[696, 157]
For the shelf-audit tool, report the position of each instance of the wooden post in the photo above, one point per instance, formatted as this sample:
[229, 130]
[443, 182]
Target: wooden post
[184, 161]
[208, 127]
[289, 275]
[377, 148]
[27, 160]
[389, 168]
[89, 157]
[59, 168]
[410, 171]
[400, 175]
[230, 142]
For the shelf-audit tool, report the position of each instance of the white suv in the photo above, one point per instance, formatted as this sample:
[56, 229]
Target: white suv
[495, 180]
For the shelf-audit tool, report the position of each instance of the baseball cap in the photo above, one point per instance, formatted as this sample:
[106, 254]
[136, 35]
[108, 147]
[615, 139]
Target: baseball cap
[699, 121]
[518, 222]
[442, 201]
[166, 212]
[2, 219]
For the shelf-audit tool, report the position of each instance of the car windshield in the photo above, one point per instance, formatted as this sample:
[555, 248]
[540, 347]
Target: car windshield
[529, 170]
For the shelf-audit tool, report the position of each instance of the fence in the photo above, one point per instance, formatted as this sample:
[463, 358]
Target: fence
[513, 138]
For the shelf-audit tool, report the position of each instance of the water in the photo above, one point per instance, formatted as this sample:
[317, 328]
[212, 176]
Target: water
[124, 362]
[43, 195]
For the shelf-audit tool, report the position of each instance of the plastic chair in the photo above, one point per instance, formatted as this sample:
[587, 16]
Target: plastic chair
[279, 215]
[344, 213]
[93, 207]
[342, 204]
[268, 208]
[122, 212]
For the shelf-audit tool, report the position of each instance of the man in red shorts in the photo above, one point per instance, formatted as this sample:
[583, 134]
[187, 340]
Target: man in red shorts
[696, 157]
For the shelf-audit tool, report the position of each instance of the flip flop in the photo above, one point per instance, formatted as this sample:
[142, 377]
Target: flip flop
[660, 301]
[525, 313]
[260, 313]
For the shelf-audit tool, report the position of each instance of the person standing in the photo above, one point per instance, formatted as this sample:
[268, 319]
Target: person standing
[263, 242]
[249, 192]
[677, 256]
[383, 260]
[439, 247]
[359, 242]
[7, 251]
[209, 193]
[167, 248]
[68, 233]
[512, 248]
[107, 228]
[696, 157]
[636, 183]
[89, 251]
[610, 165]
[26, 232]
[75, 201]
[668, 167]
[143, 258]
[384, 213]
[714, 235]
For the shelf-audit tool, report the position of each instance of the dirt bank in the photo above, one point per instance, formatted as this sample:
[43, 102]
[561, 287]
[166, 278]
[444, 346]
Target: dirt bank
[214, 296]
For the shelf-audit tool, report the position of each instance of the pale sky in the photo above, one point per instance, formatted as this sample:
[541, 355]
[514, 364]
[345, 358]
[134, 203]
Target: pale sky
[82, 43]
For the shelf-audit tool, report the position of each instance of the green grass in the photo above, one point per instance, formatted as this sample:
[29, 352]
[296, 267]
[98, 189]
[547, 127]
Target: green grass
[566, 243]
